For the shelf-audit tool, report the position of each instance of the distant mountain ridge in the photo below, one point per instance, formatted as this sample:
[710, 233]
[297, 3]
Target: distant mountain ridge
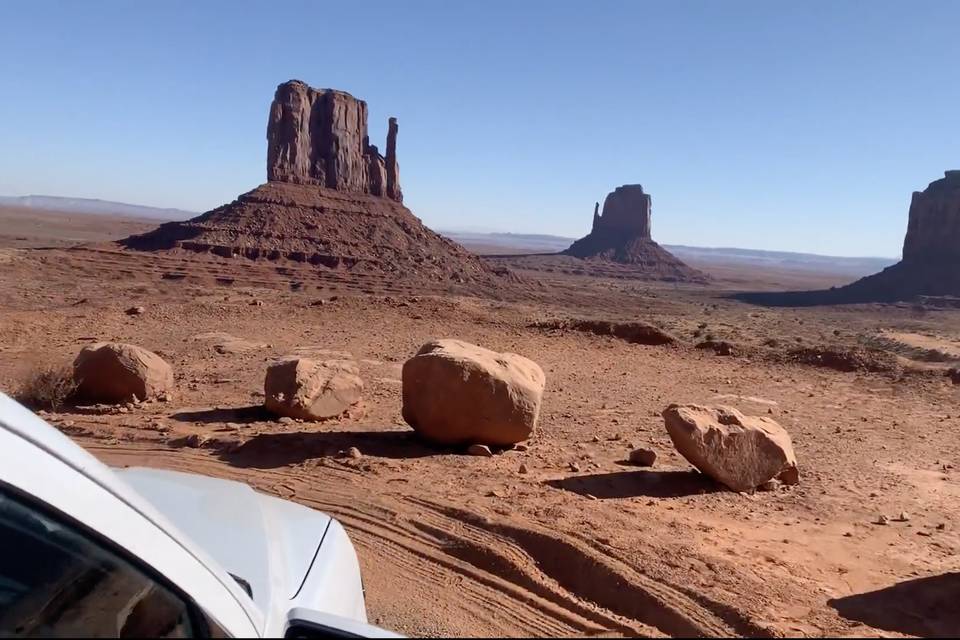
[93, 206]
[760, 257]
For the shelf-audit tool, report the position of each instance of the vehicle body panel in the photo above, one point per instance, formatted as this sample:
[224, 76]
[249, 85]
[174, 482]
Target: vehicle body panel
[297, 561]
[38, 461]
[268, 542]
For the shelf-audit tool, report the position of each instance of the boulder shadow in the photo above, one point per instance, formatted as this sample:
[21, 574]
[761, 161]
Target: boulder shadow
[924, 607]
[240, 415]
[632, 484]
[272, 450]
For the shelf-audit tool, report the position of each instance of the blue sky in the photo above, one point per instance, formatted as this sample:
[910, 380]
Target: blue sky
[795, 126]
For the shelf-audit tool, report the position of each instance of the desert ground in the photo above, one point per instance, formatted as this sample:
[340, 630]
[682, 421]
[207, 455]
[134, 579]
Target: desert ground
[23, 227]
[582, 543]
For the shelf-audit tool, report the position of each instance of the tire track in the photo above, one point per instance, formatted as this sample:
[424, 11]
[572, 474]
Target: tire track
[542, 581]
[381, 531]
[602, 580]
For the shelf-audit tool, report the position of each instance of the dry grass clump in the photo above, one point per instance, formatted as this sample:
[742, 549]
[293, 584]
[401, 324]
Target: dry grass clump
[47, 388]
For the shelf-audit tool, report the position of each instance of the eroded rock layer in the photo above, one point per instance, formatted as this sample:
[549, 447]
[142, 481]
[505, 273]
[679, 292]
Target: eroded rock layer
[321, 226]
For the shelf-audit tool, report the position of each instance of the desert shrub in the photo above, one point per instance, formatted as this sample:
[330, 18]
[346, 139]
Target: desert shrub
[47, 388]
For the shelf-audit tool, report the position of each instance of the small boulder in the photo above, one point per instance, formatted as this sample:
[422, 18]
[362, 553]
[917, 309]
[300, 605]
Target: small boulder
[455, 392]
[135, 311]
[195, 440]
[741, 452]
[954, 374]
[643, 457]
[311, 389]
[113, 372]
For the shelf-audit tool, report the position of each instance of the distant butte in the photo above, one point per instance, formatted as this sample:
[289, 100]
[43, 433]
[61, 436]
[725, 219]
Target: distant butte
[331, 200]
[621, 234]
[931, 257]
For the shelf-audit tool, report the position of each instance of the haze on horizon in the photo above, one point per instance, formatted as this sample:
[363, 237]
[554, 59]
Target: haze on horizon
[800, 127]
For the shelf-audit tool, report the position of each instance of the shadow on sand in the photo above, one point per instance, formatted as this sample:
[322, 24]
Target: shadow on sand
[240, 415]
[631, 484]
[925, 607]
[272, 450]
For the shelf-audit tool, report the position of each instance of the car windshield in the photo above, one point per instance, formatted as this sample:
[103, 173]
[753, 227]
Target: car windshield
[56, 582]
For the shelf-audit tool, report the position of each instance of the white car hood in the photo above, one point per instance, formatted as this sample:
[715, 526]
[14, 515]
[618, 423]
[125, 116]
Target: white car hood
[268, 542]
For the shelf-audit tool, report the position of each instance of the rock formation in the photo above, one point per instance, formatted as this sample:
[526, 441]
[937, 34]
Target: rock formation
[312, 389]
[930, 264]
[626, 210]
[319, 137]
[741, 452]
[331, 200]
[933, 226]
[455, 392]
[114, 372]
[621, 234]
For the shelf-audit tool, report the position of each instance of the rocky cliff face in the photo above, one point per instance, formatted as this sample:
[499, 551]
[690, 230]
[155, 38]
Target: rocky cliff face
[319, 137]
[626, 210]
[931, 257]
[933, 229]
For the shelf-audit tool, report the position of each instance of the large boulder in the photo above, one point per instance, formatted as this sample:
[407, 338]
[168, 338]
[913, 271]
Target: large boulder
[455, 392]
[741, 452]
[115, 372]
[312, 389]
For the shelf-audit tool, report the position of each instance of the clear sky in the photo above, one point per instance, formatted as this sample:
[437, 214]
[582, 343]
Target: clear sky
[779, 125]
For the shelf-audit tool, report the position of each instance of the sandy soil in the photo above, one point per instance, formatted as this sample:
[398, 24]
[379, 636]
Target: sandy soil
[458, 545]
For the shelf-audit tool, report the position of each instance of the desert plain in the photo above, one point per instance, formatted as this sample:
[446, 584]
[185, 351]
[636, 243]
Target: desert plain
[562, 536]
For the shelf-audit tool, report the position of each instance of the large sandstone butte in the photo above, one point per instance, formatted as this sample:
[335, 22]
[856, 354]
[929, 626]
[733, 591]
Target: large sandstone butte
[621, 234]
[931, 257]
[933, 227]
[319, 137]
[331, 200]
